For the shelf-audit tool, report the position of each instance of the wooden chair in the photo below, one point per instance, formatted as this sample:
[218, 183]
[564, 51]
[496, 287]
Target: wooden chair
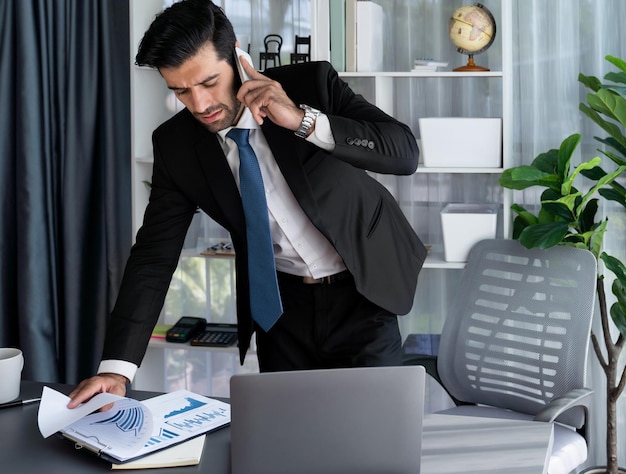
[302, 49]
[272, 43]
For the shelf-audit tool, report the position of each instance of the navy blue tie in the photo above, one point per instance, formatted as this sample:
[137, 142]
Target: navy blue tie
[265, 304]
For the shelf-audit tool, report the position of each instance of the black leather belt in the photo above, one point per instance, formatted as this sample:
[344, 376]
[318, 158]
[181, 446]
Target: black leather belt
[328, 280]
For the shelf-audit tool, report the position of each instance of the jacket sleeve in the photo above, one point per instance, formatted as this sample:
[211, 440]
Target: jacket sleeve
[365, 136]
[149, 269]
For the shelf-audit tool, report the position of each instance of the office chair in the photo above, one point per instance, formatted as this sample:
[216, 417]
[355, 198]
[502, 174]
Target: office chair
[272, 43]
[302, 50]
[515, 343]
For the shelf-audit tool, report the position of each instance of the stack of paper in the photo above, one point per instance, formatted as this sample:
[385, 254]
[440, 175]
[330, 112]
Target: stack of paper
[130, 430]
[428, 65]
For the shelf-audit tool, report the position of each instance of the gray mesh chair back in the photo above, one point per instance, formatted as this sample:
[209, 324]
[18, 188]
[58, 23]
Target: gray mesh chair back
[518, 333]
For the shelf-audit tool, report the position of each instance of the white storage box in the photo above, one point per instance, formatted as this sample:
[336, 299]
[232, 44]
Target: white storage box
[464, 225]
[458, 142]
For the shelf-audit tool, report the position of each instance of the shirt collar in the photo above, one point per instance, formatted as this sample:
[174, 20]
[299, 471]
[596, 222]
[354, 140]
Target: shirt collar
[245, 121]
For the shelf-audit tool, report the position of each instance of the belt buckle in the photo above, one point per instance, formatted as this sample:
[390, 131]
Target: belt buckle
[307, 280]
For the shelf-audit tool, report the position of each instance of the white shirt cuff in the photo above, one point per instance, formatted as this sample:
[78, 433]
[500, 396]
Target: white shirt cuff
[322, 136]
[121, 367]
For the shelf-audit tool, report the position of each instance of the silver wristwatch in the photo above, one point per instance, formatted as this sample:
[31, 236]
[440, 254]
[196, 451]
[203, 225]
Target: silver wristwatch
[310, 114]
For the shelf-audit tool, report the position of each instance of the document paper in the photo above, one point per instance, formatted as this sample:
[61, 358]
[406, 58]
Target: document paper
[131, 429]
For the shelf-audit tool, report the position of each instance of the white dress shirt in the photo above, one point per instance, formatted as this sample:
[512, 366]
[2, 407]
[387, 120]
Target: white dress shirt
[299, 247]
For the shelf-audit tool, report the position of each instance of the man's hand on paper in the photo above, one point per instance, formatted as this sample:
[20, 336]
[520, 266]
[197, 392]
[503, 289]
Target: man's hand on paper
[101, 383]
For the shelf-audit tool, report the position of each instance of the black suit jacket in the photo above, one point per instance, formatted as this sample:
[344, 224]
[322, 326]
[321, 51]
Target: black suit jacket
[355, 212]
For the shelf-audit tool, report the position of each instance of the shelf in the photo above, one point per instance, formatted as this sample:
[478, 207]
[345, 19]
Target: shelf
[162, 344]
[420, 74]
[424, 169]
[191, 252]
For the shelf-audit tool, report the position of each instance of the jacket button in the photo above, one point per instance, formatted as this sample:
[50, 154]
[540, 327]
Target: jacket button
[357, 141]
[350, 141]
[370, 145]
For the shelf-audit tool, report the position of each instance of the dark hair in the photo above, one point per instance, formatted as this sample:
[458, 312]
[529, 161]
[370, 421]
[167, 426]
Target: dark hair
[180, 31]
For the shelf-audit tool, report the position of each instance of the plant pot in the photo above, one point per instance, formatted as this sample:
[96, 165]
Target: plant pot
[601, 470]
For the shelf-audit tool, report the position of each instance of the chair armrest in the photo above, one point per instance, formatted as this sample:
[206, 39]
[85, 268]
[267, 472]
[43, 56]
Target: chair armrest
[578, 397]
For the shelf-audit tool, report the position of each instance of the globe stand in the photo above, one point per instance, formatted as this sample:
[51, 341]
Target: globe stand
[470, 66]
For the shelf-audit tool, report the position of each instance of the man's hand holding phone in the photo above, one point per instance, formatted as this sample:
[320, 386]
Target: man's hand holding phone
[265, 97]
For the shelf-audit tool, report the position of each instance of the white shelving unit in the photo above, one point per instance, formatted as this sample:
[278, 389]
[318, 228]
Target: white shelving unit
[384, 88]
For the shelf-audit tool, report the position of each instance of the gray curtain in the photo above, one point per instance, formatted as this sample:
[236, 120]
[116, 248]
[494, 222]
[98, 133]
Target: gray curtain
[65, 230]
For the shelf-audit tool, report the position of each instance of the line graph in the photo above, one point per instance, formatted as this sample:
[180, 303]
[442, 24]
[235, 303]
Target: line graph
[192, 405]
[199, 421]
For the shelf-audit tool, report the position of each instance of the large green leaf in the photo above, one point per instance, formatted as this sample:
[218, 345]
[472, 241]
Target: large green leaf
[548, 162]
[543, 235]
[603, 102]
[596, 240]
[587, 218]
[566, 150]
[562, 209]
[618, 309]
[525, 176]
[605, 180]
[566, 187]
[609, 127]
[618, 316]
[618, 62]
[618, 77]
[615, 266]
[524, 214]
[621, 90]
[593, 173]
[591, 82]
[613, 195]
[619, 160]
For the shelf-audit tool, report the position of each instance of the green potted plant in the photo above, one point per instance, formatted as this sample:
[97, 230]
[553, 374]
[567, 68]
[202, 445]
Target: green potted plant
[569, 216]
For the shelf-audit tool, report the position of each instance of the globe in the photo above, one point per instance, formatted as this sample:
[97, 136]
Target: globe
[472, 30]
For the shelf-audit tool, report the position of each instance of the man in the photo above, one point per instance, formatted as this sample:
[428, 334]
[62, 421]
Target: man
[346, 260]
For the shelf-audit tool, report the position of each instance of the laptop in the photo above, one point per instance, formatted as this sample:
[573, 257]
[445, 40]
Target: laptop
[344, 421]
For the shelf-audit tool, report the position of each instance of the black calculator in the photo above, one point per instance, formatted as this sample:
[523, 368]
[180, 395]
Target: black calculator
[216, 335]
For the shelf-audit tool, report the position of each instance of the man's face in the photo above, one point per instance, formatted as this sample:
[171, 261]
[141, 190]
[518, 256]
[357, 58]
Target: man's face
[205, 85]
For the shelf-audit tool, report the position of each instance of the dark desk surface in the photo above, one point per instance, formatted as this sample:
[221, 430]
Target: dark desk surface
[24, 450]
[451, 444]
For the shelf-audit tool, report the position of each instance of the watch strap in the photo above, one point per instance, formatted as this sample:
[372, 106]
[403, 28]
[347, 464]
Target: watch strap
[310, 115]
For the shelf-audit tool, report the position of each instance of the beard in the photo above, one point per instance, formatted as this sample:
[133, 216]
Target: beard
[230, 115]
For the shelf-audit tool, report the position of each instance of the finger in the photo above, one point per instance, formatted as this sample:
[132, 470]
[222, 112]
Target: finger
[94, 385]
[80, 396]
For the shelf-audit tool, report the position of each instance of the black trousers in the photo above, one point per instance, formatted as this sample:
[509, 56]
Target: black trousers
[328, 326]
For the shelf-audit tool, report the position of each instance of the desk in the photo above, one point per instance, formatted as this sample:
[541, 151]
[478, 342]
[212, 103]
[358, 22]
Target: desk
[24, 451]
[451, 444]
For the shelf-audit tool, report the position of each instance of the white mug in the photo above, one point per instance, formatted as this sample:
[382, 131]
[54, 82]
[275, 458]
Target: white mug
[11, 365]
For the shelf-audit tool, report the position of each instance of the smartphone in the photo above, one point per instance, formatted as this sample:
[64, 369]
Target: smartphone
[242, 74]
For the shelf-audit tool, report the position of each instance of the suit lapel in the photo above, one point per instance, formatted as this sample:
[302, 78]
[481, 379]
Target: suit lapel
[289, 155]
[220, 179]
